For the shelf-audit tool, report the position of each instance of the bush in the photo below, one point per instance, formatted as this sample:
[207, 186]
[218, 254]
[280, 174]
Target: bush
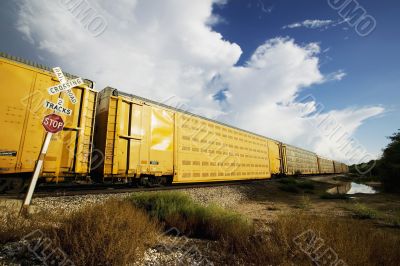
[115, 233]
[362, 211]
[386, 169]
[334, 196]
[308, 185]
[295, 185]
[389, 165]
[289, 180]
[178, 210]
[290, 188]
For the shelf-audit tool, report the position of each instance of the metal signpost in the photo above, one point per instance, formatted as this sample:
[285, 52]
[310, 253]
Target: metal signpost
[53, 124]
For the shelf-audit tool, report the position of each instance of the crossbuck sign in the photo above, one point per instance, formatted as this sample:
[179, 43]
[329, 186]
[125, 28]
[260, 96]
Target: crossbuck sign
[53, 123]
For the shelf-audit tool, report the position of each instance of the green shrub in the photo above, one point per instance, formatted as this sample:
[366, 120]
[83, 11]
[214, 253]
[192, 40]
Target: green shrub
[288, 180]
[389, 166]
[308, 185]
[334, 196]
[294, 185]
[289, 188]
[178, 210]
[362, 211]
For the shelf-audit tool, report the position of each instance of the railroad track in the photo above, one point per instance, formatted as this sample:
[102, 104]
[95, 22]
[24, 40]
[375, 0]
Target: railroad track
[76, 190]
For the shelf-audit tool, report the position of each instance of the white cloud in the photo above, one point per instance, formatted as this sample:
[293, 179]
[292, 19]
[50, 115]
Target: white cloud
[157, 49]
[311, 24]
[335, 76]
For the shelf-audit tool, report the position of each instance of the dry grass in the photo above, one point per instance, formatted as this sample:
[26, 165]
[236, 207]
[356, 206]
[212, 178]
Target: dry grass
[354, 241]
[14, 227]
[304, 203]
[115, 233]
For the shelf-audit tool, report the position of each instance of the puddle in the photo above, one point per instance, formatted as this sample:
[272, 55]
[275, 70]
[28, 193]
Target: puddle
[352, 188]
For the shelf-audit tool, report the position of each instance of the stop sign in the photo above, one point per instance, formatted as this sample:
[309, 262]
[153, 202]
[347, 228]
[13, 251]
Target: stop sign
[53, 123]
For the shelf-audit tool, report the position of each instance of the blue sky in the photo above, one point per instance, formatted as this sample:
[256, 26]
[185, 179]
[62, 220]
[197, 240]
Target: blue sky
[372, 63]
[249, 53]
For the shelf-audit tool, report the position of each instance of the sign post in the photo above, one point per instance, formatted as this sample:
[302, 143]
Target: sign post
[53, 124]
[38, 168]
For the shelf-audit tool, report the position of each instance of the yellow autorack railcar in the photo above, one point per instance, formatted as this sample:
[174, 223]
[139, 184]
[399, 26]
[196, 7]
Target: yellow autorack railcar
[275, 156]
[345, 168]
[299, 161]
[23, 91]
[135, 139]
[146, 140]
[325, 166]
[338, 167]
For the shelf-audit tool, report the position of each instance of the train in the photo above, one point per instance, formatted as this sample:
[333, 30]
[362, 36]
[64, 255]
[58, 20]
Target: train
[112, 136]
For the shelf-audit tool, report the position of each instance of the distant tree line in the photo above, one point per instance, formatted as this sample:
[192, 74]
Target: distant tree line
[387, 168]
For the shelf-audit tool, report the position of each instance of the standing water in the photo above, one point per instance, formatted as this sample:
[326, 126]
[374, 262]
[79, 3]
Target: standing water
[352, 188]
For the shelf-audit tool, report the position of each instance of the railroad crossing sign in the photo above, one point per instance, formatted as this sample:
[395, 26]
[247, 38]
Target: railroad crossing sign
[65, 85]
[58, 107]
[53, 123]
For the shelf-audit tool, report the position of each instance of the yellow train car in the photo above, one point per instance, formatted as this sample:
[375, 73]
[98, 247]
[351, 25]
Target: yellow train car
[135, 138]
[23, 91]
[338, 167]
[146, 140]
[299, 161]
[325, 166]
[275, 157]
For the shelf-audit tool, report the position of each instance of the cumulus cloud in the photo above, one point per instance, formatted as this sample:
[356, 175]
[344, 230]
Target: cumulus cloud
[167, 50]
[310, 23]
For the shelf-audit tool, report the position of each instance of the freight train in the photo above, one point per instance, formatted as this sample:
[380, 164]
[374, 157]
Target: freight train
[113, 136]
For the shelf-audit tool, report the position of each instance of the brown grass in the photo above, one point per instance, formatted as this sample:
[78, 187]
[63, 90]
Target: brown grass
[14, 227]
[112, 233]
[115, 233]
[355, 242]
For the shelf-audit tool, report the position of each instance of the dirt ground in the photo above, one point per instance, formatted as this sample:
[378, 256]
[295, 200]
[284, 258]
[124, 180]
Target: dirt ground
[263, 201]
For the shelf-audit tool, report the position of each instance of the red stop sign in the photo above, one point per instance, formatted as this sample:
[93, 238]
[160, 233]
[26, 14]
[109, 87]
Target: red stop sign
[53, 123]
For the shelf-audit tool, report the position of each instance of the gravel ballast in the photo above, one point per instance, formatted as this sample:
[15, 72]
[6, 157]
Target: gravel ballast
[226, 197]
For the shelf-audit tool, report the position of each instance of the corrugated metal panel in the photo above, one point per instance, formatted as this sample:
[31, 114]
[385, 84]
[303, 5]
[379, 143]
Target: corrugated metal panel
[325, 166]
[134, 137]
[337, 167]
[207, 151]
[300, 161]
[132, 96]
[203, 150]
[344, 167]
